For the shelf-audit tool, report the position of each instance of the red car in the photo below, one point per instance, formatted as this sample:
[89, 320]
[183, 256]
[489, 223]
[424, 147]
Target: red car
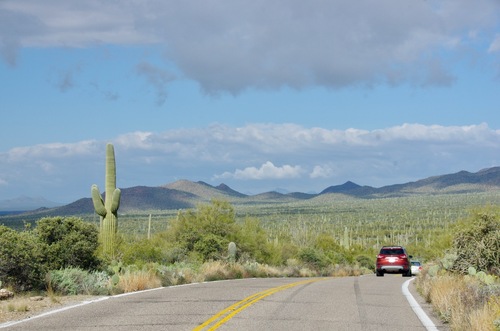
[393, 259]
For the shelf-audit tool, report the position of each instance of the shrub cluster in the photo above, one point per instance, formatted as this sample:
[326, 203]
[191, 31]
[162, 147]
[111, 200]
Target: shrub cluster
[72, 281]
[55, 243]
[476, 244]
[464, 297]
[204, 234]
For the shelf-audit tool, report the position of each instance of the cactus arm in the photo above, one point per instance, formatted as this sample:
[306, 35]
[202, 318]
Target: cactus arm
[99, 207]
[115, 204]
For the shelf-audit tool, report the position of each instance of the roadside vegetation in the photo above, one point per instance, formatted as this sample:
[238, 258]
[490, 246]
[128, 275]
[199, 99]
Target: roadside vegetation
[63, 256]
[463, 285]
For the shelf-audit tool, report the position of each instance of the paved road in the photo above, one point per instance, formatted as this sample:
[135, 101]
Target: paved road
[351, 303]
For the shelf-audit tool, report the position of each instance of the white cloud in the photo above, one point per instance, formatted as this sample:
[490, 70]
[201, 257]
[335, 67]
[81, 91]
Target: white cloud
[323, 171]
[266, 171]
[53, 150]
[255, 157]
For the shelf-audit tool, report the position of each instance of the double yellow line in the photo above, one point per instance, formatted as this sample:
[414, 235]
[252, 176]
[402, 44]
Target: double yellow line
[225, 315]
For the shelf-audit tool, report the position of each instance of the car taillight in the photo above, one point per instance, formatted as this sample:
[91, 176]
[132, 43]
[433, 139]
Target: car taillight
[380, 256]
[402, 256]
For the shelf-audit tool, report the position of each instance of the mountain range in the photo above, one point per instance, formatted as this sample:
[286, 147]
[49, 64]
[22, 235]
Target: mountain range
[187, 194]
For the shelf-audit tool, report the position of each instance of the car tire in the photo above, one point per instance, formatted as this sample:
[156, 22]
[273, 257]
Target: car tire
[380, 273]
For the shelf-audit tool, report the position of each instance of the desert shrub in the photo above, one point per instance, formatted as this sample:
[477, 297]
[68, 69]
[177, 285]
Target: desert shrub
[177, 273]
[288, 251]
[215, 270]
[142, 251]
[295, 268]
[21, 260]
[329, 247]
[176, 254]
[72, 281]
[252, 239]
[211, 246]
[365, 261]
[203, 235]
[345, 271]
[476, 243]
[206, 231]
[68, 242]
[314, 258]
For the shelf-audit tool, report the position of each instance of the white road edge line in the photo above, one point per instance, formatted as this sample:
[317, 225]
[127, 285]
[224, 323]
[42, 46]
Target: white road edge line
[422, 316]
[83, 303]
[50, 312]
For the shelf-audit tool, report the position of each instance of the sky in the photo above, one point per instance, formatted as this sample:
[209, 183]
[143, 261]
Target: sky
[258, 95]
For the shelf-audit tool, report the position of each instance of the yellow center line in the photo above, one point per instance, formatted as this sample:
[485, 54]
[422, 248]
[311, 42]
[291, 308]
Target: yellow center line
[226, 314]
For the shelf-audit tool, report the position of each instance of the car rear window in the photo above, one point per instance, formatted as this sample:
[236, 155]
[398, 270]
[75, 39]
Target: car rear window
[395, 251]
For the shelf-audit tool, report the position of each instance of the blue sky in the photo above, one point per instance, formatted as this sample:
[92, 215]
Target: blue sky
[257, 95]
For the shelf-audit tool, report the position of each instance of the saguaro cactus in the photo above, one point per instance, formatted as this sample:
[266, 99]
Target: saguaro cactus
[108, 209]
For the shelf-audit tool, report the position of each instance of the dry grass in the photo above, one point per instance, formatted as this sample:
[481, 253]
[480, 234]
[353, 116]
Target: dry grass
[138, 280]
[462, 301]
[446, 295]
[486, 318]
[346, 271]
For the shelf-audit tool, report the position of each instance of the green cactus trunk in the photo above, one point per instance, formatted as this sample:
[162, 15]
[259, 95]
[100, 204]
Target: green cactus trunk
[108, 210]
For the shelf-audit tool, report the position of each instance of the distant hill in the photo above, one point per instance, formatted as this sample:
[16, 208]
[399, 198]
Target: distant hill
[187, 194]
[344, 188]
[137, 198]
[460, 182]
[26, 203]
[204, 190]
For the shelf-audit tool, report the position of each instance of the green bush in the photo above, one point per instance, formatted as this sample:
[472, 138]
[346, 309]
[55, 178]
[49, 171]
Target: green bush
[211, 246]
[206, 232]
[73, 281]
[68, 242]
[252, 240]
[26, 257]
[21, 260]
[314, 258]
[331, 249]
[142, 251]
[366, 262]
[476, 243]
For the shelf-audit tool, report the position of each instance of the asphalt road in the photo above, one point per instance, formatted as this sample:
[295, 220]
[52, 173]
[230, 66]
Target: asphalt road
[350, 303]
